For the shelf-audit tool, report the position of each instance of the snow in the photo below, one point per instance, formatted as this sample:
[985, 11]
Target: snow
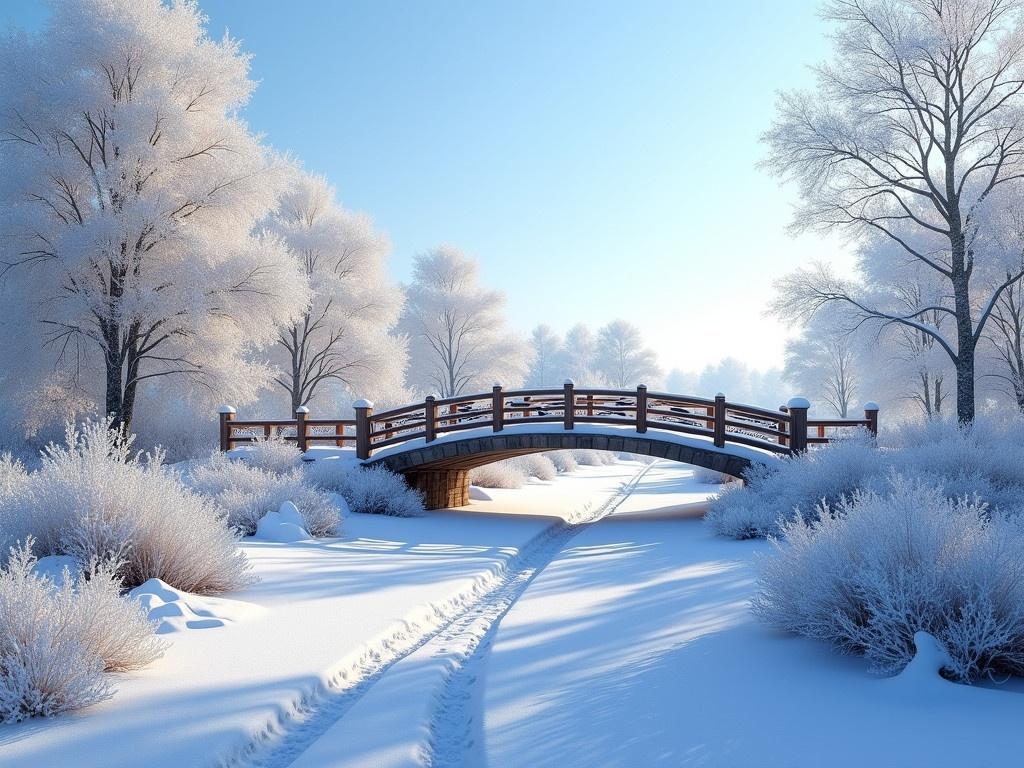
[476, 493]
[517, 632]
[331, 608]
[636, 647]
[285, 525]
[176, 611]
[53, 568]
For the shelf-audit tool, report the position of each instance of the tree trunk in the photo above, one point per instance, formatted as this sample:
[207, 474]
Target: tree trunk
[115, 387]
[961, 279]
[965, 388]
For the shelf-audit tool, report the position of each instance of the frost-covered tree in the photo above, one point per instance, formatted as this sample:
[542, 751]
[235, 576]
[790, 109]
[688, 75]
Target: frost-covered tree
[622, 360]
[129, 196]
[458, 341]
[547, 366]
[342, 335]
[1006, 341]
[579, 352]
[822, 364]
[914, 134]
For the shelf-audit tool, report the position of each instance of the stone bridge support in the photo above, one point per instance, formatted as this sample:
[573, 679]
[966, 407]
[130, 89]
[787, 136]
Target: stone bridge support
[441, 488]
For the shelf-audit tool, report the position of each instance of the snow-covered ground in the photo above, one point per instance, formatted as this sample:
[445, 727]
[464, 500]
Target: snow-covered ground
[635, 647]
[326, 615]
[592, 621]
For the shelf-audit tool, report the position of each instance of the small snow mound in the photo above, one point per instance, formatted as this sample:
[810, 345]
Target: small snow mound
[479, 494]
[339, 501]
[928, 661]
[53, 567]
[289, 513]
[285, 525]
[176, 611]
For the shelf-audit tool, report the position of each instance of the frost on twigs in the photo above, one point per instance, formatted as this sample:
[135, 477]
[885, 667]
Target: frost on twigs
[248, 492]
[871, 572]
[273, 455]
[984, 459]
[371, 490]
[95, 500]
[57, 640]
[514, 472]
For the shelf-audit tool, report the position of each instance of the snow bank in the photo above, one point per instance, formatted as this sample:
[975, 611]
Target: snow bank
[476, 493]
[284, 525]
[176, 611]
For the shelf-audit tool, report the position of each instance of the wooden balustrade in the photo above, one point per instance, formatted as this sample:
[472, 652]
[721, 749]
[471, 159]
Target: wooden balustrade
[786, 430]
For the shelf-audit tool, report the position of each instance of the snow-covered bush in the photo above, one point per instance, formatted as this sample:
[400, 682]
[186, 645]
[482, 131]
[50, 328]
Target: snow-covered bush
[591, 458]
[515, 471]
[985, 459]
[57, 640]
[273, 455]
[794, 486]
[247, 493]
[868, 573]
[563, 461]
[535, 465]
[499, 474]
[368, 490]
[93, 499]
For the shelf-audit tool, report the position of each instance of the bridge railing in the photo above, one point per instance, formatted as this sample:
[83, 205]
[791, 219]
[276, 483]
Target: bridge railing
[785, 431]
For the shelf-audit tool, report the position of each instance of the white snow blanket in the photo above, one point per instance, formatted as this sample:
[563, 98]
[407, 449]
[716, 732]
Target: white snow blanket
[177, 611]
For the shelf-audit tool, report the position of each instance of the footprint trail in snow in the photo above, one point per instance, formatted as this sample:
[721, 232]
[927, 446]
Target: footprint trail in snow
[462, 632]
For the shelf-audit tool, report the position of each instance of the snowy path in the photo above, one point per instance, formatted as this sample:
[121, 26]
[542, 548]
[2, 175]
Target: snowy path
[412, 697]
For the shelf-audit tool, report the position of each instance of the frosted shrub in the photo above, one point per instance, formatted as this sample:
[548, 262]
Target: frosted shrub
[591, 458]
[274, 455]
[794, 487]
[985, 459]
[248, 492]
[514, 472]
[368, 490]
[563, 461]
[869, 573]
[13, 481]
[94, 500]
[56, 641]
[535, 465]
[499, 474]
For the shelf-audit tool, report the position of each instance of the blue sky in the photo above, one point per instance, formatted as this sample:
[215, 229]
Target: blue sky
[596, 157]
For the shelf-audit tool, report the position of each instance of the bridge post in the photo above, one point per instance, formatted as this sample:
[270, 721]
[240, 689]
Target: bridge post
[569, 407]
[782, 425]
[641, 408]
[430, 418]
[301, 414]
[719, 420]
[798, 407]
[498, 408]
[364, 410]
[227, 415]
[871, 415]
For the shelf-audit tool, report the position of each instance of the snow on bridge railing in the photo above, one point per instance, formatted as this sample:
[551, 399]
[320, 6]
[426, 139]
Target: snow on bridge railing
[786, 430]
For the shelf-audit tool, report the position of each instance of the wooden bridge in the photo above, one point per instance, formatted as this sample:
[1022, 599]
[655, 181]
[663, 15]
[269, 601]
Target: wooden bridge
[435, 443]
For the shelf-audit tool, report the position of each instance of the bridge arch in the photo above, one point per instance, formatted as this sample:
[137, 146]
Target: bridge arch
[440, 470]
